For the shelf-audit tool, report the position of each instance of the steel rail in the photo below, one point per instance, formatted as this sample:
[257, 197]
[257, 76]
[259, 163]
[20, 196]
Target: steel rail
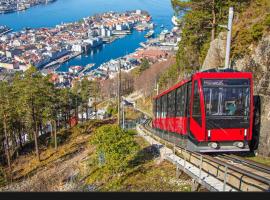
[248, 163]
[212, 160]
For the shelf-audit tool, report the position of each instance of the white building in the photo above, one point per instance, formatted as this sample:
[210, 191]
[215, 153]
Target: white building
[103, 32]
[76, 48]
[138, 12]
[119, 27]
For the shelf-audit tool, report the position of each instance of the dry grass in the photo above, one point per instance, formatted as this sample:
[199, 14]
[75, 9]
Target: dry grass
[132, 114]
[260, 159]
[31, 175]
[145, 104]
[73, 168]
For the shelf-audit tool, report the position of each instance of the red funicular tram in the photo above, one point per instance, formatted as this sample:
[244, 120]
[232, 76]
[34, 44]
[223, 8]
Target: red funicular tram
[212, 111]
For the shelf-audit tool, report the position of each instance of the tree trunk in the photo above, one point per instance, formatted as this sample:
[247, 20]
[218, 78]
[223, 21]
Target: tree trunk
[20, 135]
[96, 106]
[214, 21]
[69, 122]
[66, 120]
[86, 108]
[40, 127]
[36, 141]
[7, 146]
[35, 129]
[55, 135]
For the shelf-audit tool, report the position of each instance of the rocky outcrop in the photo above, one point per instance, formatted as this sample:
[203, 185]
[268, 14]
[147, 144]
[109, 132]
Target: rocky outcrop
[216, 54]
[258, 62]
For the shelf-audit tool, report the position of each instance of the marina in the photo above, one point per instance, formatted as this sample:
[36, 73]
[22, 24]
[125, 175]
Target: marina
[46, 47]
[111, 48]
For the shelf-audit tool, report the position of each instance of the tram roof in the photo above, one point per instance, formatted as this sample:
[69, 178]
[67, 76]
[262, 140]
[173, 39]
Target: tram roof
[212, 73]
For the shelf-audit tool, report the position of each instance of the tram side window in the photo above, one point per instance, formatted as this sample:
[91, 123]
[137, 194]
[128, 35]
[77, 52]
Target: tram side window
[164, 106]
[180, 102]
[171, 104]
[188, 98]
[196, 109]
[158, 108]
[183, 101]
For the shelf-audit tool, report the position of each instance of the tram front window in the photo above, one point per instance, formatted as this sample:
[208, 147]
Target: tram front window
[227, 97]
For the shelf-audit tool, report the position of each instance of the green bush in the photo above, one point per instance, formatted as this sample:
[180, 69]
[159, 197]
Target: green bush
[257, 31]
[115, 147]
[267, 20]
[112, 110]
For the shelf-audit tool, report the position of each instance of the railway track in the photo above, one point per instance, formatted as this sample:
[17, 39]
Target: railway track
[236, 172]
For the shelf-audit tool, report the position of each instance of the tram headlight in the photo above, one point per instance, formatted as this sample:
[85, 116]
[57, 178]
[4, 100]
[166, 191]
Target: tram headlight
[239, 144]
[213, 145]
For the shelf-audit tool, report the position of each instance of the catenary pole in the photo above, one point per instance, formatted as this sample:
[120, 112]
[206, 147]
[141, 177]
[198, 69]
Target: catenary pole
[229, 35]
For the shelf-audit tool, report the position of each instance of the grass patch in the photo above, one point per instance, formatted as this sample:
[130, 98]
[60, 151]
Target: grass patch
[75, 140]
[144, 173]
[260, 159]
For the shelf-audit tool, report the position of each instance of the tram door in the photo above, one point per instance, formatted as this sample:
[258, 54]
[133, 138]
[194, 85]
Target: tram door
[195, 122]
[188, 99]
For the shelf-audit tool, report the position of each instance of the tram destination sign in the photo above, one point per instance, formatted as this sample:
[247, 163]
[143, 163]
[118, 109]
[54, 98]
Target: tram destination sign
[225, 82]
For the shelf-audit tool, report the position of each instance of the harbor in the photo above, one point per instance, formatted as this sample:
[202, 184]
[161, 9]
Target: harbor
[55, 46]
[4, 30]
[107, 51]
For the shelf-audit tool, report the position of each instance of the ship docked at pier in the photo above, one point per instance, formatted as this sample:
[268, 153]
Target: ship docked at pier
[149, 34]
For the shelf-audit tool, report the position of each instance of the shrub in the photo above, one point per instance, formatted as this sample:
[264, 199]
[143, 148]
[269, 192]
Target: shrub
[267, 20]
[257, 31]
[115, 145]
[111, 110]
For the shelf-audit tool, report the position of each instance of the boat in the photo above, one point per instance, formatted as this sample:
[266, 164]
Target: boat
[89, 66]
[75, 69]
[143, 45]
[174, 21]
[149, 34]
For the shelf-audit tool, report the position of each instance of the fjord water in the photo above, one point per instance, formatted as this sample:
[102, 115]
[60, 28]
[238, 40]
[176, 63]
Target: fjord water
[74, 10]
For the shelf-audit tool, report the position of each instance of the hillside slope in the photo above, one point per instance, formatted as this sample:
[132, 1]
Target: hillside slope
[72, 167]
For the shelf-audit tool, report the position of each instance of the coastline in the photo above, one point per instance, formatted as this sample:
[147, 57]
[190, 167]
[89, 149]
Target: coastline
[24, 7]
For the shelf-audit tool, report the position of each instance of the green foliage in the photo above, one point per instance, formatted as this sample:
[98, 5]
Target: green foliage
[199, 27]
[257, 31]
[267, 20]
[144, 65]
[112, 110]
[116, 145]
[29, 101]
[170, 76]
[254, 22]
